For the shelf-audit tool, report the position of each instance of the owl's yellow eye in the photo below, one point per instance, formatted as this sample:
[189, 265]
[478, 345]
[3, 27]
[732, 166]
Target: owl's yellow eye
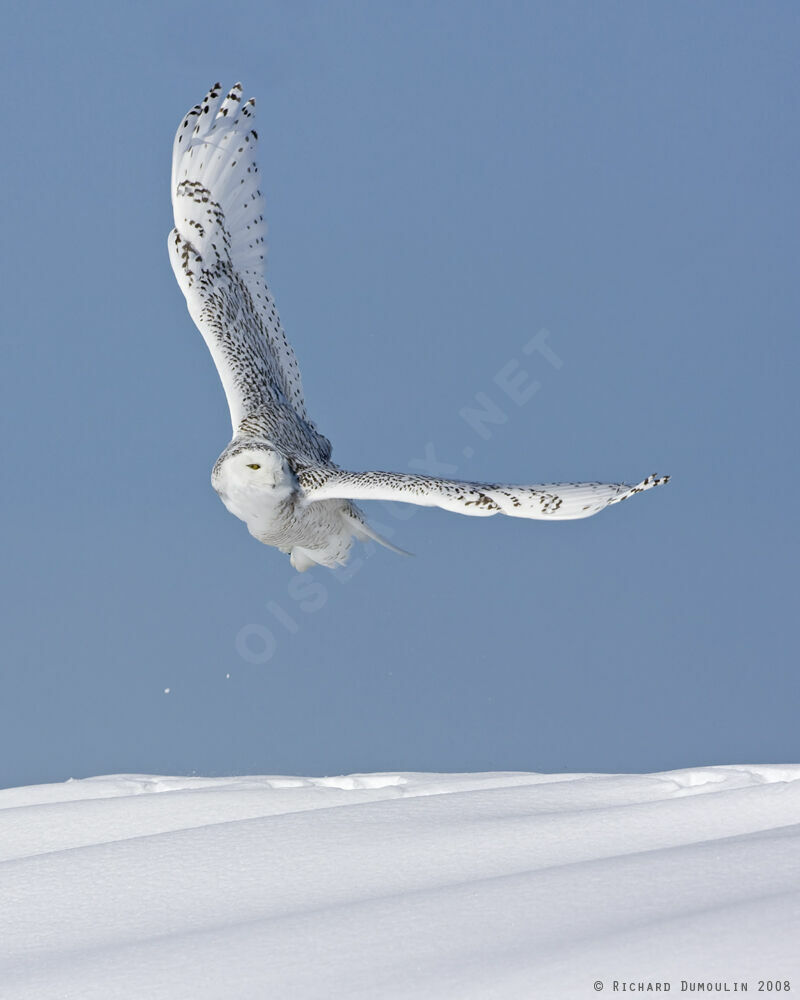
[254, 466]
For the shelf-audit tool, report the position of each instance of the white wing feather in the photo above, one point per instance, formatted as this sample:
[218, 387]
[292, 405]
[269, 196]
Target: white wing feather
[217, 253]
[548, 501]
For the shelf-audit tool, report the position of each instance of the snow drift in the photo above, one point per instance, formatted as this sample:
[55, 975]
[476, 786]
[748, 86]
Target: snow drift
[401, 885]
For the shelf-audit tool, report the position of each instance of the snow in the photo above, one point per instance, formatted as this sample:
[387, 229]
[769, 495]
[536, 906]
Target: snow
[461, 886]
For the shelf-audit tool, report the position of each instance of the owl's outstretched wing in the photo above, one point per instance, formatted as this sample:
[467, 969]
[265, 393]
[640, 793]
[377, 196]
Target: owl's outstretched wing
[548, 502]
[217, 253]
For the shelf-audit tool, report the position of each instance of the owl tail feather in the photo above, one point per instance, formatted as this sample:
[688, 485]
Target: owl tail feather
[363, 532]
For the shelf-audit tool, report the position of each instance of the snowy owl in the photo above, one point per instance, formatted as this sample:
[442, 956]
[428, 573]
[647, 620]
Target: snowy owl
[276, 474]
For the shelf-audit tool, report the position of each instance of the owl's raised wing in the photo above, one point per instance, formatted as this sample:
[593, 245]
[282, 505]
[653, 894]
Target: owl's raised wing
[548, 502]
[217, 253]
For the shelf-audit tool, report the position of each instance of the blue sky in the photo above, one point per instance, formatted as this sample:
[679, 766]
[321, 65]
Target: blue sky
[443, 182]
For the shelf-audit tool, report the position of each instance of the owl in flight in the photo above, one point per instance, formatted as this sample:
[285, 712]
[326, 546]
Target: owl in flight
[276, 474]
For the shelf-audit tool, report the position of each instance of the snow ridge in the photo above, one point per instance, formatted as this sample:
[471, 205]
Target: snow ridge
[398, 885]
